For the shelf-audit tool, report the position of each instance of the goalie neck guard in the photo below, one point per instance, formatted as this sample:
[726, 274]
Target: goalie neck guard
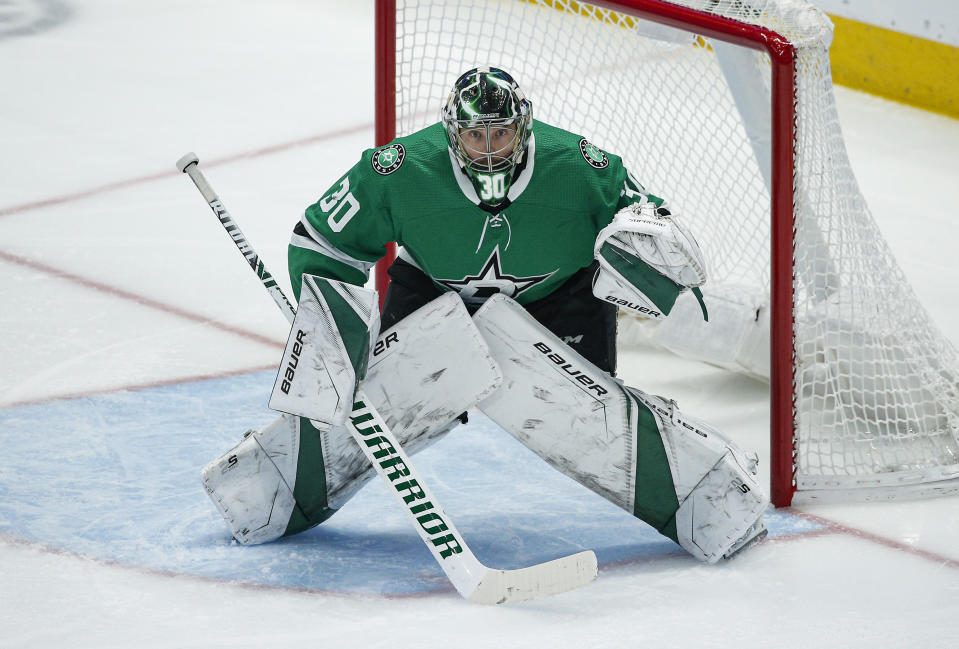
[488, 122]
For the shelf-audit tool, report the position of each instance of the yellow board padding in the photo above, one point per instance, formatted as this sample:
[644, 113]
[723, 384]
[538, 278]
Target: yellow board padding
[894, 65]
[588, 11]
[606, 16]
[879, 61]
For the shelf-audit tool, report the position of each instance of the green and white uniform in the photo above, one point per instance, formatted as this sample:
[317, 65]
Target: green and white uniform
[672, 471]
[413, 192]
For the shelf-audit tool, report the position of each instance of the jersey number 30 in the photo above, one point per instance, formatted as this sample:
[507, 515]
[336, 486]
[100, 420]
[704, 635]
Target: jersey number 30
[344, 206]
[493, 186]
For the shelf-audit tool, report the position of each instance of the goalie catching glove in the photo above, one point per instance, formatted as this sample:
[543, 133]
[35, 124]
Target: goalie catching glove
[647, 258]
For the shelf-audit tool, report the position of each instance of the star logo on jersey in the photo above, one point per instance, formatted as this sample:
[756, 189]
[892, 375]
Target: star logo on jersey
[595, 156]
[388, 159]
[475, 289]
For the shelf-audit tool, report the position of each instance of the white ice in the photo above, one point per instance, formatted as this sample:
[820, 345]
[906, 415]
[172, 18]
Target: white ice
[121, 291]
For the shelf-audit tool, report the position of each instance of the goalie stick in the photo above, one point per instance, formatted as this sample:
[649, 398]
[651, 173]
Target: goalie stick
[473, 580]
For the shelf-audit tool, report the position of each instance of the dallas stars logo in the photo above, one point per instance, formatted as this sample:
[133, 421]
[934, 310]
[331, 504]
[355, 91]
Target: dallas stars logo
[475, 289]
[593, 154]
[388, 159]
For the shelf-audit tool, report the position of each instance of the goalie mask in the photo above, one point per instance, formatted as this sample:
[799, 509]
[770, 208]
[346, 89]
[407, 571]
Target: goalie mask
[488, 122]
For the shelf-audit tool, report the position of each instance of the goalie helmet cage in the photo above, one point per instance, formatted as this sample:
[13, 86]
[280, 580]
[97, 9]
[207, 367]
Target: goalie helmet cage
[730, 103]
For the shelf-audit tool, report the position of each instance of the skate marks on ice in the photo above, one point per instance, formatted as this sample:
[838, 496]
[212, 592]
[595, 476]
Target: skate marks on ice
[27, 17]
[115, 477]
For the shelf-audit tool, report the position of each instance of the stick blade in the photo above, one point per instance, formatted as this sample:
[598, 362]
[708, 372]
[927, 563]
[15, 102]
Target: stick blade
[550, 578]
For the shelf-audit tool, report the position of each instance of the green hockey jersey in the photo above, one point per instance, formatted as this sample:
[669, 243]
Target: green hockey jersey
[413, 192]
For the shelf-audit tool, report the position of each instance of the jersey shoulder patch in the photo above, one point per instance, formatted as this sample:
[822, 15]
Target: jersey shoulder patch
[595, 156]
[388, 159]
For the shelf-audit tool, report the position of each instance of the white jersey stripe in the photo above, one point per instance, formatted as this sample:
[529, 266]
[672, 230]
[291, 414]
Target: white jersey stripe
[318, 243]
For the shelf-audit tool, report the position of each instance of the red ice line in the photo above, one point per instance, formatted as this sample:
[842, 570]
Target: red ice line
[139, 299]
[122, 184]
[446, 589]
[17, 209]
[133, 387]
[875, 538]
[249, 585]
[144, 301]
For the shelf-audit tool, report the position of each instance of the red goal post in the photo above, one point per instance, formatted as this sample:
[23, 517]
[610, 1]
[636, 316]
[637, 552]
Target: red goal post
[410, 34]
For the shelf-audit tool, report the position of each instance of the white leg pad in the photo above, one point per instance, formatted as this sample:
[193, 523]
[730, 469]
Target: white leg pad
[586, 425]
[558, 404]
[715, 482]
[424, 372]
[252, 484]
[719, 510]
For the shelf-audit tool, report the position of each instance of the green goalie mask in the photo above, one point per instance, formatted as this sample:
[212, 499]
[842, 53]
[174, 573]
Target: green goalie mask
[488, 122]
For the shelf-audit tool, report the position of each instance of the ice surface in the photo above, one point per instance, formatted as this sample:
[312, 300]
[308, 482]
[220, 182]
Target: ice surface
[121, 291]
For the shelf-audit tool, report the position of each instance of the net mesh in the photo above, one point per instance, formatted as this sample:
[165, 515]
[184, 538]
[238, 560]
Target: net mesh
[875, 386]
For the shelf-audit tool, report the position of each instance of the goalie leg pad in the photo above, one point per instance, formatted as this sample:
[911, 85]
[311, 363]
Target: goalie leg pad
[252, 484]
[292, 475]
[716, 516]
[638, 451]
[720, 499]
[557, 403]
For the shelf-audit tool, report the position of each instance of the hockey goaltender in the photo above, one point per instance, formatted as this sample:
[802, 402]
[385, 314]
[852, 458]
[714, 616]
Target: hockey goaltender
[519, 242]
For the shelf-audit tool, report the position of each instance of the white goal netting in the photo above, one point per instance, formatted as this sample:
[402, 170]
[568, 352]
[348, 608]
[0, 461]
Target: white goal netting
[875, 388]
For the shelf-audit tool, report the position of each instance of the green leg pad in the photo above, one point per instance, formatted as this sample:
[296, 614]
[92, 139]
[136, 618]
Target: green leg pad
[311, 507]
[656, 501]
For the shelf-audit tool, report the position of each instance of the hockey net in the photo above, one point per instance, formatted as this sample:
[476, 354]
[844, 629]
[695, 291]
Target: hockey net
[865, 396]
